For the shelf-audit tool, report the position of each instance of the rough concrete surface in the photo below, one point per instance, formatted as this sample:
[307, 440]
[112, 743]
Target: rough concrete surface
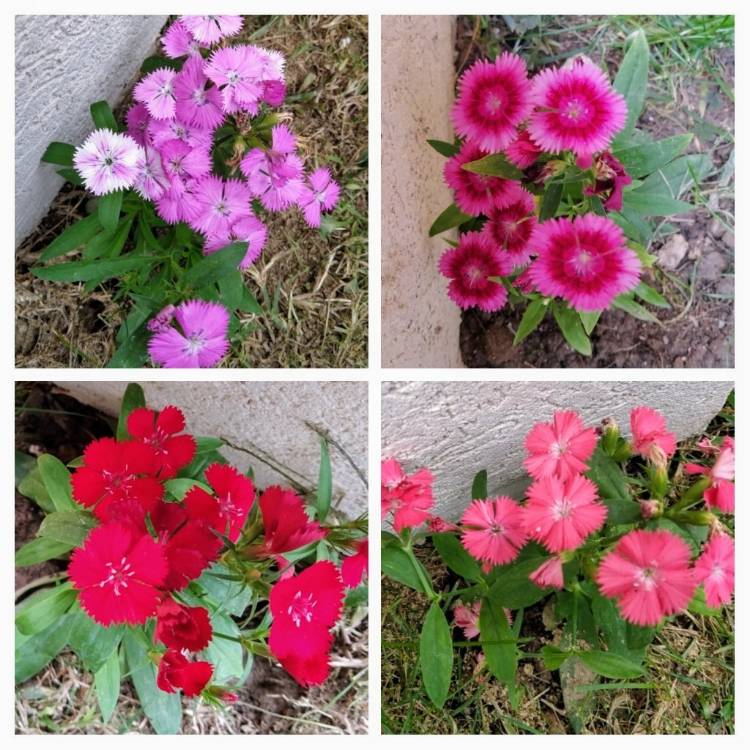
[456, 429]
[420, 324]
[63, 65]
[268, 419]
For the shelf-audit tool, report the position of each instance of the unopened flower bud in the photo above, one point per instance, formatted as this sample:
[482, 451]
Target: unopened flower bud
[651, 508]
[659, 480]
[610, 436]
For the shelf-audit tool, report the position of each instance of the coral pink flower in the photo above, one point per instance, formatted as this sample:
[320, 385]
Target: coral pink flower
[118, 573]
[200, 342]
[720, 494]
[493, 99]
[493, 530]
[522, 152]
[178, 41]
[107, 161]
[354, 567]
[560, 447]
[304, 608]
[466, 617]
[114, 474]
[320, 196]
[176, 672]
[715, 570]
[150, 181]
[610, 180]
[180, 627]
[576, 109]
[509, 229]
[211, 29]
[408, 497]
[471, 267]
[137, 119]
[562, 513]
[195, 102]
[286, 525]
[477, 193]
[651, 439]
[549, 573]
[156, 91]
[159, 429]
[222, 202]
[439, 525]
[238, 72]
[248, 229]
[649, 575]
[583, 260]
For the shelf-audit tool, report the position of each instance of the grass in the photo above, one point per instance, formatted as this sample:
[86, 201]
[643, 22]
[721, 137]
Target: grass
[688, 687]
[311, 284]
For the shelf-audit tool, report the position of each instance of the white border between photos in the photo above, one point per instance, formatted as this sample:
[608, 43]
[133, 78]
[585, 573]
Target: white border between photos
[374, 374]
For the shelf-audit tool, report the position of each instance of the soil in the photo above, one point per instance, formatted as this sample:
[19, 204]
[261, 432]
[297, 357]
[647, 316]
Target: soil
[699, 329]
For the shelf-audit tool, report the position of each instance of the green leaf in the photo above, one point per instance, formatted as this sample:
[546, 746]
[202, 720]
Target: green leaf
[589, 321]
[231, 288]
[612, 627]
[70, 526]
[73, 237]
[70, 175]
[211, 268]
[56, 478]
[32, 486]
[233, 597]
[640, 161]
[325, 482]
[638, 637]
[650, 295]
[554, 657]
[102, 116]
[109, 209]
[532, 317]
[93, 643]
[629, 305]
[606, 473]
[39, 550]
[494, 165]
[450, 218]
[178, 488]
[699, 606]
[133, 352]
[45, 610]
[550, 200]
[479, 486]
[396, 564]
[91, 270]
[436, 655]
[150, 64]
[444, 148]
[572, 328]
[164, 710]
[649, 203]
[672, 180]
[133, 398]
[225, 655]
[499, 645]
[632, 79]
[249, 303]
[610, 665]
[35, 652]
[107, 685]
[59, 153]
[456, 557]
[512, 587]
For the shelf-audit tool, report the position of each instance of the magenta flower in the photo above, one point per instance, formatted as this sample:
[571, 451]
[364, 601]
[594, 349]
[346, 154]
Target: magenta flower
[470, 266]
[181, 162]
[583, 260]
[221, 204]
[715, 570]
[195, 103]
[137, 120]
[150, 182]
[237, 71]
[493, 99]
[320, 195]
[610, 180]
[275, 175]
[522, 152]
[201, 340]
[107, 161]
[248, 229]
[179, 202]
[509, 229]
[211, 29]
[576, 109]
[178, 41]
[161, 131]
[493, 530]
[156, 91]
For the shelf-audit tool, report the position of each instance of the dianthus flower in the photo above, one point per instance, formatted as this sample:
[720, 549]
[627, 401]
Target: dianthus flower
[493, 530]
[180, 627]
[150, 181]
[156, 91]
[610, 180]
[319, 195]
[548, 574]
[211, 29]
[715, 569]
[248, 229]
[237, 71]
[407, 496]
[178, 41]
[137, 120]
[466, 617]
[354, 567]
[195, 102]
[159, 430]
[222, 203]
[107, 161]
[177, 672]
[522, 152]
[720, 494]
[651, 439]
[509, 229]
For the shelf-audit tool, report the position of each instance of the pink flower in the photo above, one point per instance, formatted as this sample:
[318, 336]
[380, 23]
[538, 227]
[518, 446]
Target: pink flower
[649, 575]
[493, 98]
[439, 525]
[610, 180]
[549, 573]
[107, 161]
[408, 497]
[195, 103]
[161, 320]
[156, 91]
[509, 229]
[470, 266]
[161, 131]
[720, 494]
[715, 570]
[181, 161]
[493, 530]
[522, 152]
[275, 175]
[222, 202]
[321, 195]
[576, 109]
[179, 202]
[650, 434]
[150, 182]
[178, 41]
[137, 120]
[562, 513]
[559, 448]
[466, 617]
[584, 260]
[238, 72]
[477, 193]
[200, 342]
[354, 567]
[211, 29]
[248, 229]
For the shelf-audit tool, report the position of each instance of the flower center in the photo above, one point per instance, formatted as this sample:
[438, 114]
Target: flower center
[195, 343]
[228, 507]
[562, 508]
[221, 208]
[301, 608]
[493, 103]
[646, 578]
[474, 275]
[232, 77]
[558, 448]
[574, 111]
[496, 529]
[717, 573]
[166, 90]
[118, 576]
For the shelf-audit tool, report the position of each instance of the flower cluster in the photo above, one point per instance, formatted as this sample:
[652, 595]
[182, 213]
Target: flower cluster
[407, 496]
[146, 548]
[539, 128]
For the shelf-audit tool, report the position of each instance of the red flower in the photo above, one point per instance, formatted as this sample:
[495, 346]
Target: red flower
[118, 572]
[227, 511]
[304, 608]
[177, 673]
[159, 430]
[355, 567]
[115, 476]
[181, 627]
[285, 522]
